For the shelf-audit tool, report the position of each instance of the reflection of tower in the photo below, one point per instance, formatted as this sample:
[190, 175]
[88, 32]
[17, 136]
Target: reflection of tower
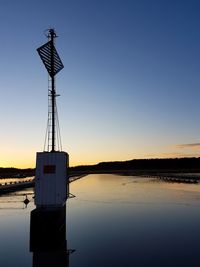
[48, 238]
[51, 182]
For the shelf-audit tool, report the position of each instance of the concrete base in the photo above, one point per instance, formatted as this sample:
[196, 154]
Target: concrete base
[51, 179]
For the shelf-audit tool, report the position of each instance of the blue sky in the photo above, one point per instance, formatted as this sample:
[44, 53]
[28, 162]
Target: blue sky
[129, 89]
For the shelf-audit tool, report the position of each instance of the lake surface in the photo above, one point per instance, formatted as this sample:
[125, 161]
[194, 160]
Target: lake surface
[113, 221]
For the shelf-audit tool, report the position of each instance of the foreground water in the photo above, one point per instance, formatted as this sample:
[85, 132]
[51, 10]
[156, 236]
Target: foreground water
[114, 221]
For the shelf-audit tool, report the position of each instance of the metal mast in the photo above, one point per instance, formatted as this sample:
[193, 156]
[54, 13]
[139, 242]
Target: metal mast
[53, 92]
[53, 64]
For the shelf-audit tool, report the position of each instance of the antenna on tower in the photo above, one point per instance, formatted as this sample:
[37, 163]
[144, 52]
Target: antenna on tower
[53, 64]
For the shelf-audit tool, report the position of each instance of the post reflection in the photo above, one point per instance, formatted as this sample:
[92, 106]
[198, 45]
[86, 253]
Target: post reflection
[48, 237]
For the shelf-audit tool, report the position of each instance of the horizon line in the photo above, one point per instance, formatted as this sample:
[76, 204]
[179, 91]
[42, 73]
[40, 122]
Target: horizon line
[153, 158]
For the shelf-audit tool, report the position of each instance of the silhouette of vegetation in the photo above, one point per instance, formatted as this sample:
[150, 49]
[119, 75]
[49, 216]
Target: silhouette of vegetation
[15, 172]
[129, 166]
[147, 165]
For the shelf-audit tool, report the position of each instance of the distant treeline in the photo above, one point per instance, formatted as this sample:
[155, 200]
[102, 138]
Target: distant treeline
[15, 172]
[186, 164]
[175, 164]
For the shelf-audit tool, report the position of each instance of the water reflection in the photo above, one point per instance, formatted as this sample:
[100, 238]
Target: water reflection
[113, 221]
[133, 221]
[48, 238]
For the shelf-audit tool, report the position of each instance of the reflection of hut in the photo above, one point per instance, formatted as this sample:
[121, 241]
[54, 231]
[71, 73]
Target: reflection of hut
[48, 238]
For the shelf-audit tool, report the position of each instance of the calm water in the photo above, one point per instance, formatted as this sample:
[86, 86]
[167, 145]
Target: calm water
[113, 221]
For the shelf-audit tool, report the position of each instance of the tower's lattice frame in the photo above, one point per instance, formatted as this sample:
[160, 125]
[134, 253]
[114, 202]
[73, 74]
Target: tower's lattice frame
[53, 65]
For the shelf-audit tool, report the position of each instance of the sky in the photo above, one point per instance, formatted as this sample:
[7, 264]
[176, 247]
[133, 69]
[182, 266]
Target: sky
[130, 87]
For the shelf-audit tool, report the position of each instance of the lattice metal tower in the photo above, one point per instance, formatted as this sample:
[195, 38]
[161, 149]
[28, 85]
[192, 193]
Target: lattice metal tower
[53, 64]
[51, 177]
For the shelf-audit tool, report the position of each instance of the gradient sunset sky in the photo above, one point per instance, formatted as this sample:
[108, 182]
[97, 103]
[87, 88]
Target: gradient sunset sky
[130, 87]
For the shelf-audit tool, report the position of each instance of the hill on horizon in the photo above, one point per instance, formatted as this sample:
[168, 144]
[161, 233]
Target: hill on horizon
[190, 164]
